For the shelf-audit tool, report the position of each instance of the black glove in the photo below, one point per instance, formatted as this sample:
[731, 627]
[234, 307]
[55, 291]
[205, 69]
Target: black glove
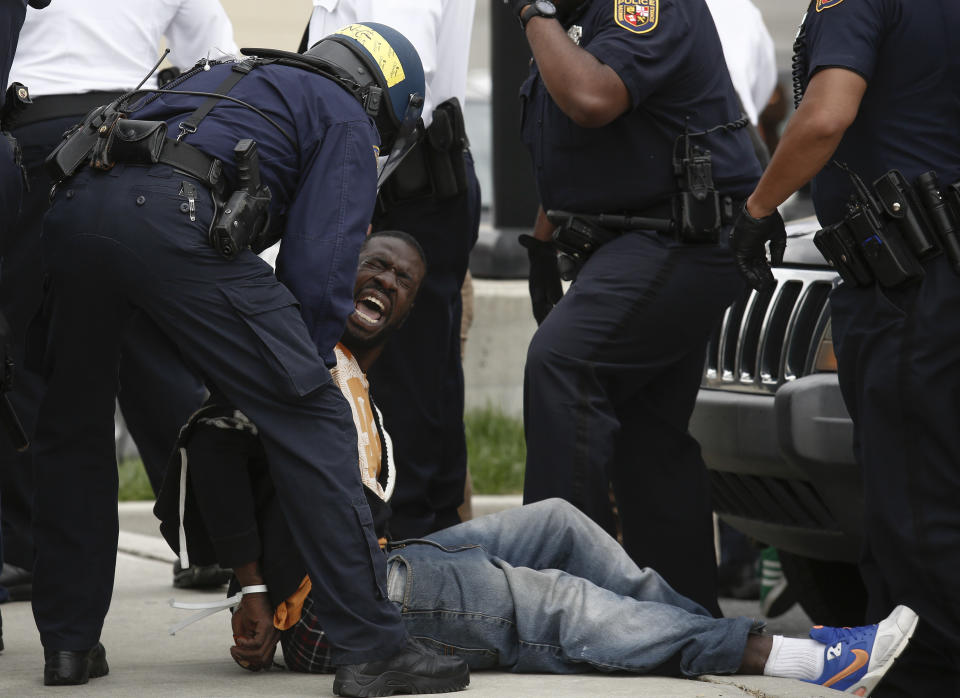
[747, 240]
[545, 288]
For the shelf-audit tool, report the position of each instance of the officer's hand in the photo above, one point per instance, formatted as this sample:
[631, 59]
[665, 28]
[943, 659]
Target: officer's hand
[747, 240]
[544, 280]
[253, 632]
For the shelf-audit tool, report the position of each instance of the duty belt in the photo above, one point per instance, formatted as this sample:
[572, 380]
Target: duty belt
[577, 236]
[61, 106]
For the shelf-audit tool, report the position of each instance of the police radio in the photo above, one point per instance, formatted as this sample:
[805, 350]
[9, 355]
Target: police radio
[245, 218]
[696, 206]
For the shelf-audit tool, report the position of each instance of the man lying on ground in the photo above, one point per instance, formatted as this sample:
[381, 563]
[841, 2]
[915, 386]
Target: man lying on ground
[540, 588]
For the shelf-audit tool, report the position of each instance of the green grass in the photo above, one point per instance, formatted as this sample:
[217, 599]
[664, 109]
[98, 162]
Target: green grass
[496, 451]
[134, 484]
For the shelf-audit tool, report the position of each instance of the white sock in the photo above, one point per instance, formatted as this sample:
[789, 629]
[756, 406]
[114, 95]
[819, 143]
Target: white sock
[793, 658]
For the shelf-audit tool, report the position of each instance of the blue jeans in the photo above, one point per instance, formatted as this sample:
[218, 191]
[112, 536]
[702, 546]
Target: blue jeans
[542, 588]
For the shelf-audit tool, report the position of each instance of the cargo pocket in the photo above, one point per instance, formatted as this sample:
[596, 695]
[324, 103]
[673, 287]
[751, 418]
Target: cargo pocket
[378, 561]
[273, 315]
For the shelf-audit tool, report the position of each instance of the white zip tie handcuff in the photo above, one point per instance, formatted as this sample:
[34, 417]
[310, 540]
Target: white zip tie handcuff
[208, 608]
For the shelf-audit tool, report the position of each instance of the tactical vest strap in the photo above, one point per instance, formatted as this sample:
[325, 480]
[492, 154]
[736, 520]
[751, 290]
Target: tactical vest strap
[192, 122]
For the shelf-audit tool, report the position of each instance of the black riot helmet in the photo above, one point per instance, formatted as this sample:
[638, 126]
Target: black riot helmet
[383, 70]
[380, 67]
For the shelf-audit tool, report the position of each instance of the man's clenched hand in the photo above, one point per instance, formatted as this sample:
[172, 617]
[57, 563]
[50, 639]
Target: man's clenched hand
[253, 632]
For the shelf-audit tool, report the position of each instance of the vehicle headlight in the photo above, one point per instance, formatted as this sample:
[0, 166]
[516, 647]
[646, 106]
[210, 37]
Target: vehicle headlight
[825, 360]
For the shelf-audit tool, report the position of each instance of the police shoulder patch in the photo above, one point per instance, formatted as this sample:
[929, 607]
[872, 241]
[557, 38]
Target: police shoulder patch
[637, 16]
[827, 4]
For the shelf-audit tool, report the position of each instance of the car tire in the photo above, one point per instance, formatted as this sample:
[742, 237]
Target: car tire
[831, 593]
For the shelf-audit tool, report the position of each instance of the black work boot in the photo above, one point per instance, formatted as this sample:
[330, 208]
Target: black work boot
[71, 668]
[414, 669]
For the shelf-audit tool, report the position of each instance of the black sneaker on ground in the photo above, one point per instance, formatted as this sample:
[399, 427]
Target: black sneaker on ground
[414, 669]
[200, 576]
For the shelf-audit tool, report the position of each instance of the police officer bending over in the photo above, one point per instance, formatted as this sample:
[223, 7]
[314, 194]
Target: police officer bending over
[876, 130]
[635, 134]
[161, 211]
[11, 186]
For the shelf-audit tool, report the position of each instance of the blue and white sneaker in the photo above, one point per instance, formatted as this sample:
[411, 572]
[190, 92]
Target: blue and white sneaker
[855, 659]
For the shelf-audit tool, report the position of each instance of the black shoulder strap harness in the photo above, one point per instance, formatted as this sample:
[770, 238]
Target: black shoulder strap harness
[89, 140]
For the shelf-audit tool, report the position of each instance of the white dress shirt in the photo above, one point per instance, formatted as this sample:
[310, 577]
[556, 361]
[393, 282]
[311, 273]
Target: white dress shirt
[439, 30]
[748, 50]
[76, 46]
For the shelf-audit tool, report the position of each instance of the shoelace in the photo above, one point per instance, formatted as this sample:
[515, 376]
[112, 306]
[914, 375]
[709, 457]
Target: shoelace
[208, 608]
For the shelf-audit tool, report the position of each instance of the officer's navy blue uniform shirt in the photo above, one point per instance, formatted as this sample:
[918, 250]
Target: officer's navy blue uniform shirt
[325, 186]
[671, 62]
[906, 50]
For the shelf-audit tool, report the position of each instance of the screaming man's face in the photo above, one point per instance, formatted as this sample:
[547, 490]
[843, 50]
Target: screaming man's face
[388, 277]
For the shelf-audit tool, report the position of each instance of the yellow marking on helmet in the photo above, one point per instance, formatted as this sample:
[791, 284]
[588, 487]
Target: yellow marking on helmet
[378, 47]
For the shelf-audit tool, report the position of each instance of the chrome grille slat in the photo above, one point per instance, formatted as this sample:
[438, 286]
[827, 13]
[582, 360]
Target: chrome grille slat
[749, 337]
[770, 345]
[766, 339]
[807, 321]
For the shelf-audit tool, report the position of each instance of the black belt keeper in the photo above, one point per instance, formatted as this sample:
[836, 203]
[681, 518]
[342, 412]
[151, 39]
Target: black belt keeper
[436, 167]
[187, 159]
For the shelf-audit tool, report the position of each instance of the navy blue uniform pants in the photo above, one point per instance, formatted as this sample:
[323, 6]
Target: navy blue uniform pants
[11, 191]
[118, 242]
[157, 394]
[899, 363]
[610, 382]
[418, 380]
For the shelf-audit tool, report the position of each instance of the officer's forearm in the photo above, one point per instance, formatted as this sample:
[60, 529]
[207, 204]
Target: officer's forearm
[586, 90]
[801, 154]
[828, 108]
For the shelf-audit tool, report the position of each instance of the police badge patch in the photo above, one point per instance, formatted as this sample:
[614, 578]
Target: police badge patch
[827, 4]
[637, 16]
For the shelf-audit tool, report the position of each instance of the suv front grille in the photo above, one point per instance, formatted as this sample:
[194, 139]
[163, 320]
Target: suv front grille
[768, 338]
[771, 500]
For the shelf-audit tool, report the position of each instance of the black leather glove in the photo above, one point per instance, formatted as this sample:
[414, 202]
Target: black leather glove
[545, 288]
[747, 240]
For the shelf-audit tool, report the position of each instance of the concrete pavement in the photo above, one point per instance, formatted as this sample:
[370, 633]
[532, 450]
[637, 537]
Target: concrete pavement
[146, 661]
